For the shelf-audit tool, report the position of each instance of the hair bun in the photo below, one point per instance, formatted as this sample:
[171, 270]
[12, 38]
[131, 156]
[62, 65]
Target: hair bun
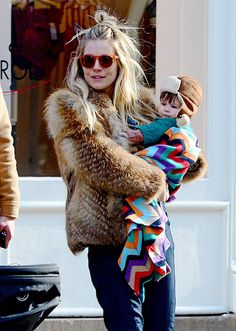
[103, 18]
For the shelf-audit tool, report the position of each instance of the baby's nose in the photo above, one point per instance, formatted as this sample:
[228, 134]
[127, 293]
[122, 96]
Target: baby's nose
[167, 108]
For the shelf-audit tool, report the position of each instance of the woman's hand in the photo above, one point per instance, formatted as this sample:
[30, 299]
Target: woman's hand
[7, 225]
[162, 197]
[135, 136]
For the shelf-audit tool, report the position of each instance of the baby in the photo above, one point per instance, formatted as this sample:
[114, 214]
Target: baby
[172, 146]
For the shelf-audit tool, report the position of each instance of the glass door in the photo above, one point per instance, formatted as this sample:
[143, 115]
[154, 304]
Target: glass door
[40, 55]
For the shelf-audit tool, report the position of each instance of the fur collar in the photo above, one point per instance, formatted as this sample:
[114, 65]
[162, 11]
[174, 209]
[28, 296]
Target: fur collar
[65, 111]
[64, 105]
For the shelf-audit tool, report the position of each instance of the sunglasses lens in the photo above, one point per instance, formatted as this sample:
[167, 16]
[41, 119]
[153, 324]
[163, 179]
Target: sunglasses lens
[106, 61]
[87, 61]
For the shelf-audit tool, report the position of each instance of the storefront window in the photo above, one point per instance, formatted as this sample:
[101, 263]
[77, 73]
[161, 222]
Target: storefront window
[40, 55]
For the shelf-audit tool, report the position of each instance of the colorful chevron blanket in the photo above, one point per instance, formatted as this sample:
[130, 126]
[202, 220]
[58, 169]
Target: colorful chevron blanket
[143, 257]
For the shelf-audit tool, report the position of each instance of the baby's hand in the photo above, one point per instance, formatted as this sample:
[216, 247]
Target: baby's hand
[135, 136]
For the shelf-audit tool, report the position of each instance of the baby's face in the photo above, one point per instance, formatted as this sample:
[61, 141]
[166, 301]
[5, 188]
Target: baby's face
[169, 109]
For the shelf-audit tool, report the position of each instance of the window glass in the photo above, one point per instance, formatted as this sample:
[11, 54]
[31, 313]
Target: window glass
[40, 55]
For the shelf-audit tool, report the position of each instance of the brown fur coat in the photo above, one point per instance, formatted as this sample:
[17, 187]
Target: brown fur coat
[97, 169]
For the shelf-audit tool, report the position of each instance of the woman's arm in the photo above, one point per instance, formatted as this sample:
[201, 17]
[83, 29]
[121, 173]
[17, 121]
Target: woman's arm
[95, 156]
[108, 166]
[9, 191]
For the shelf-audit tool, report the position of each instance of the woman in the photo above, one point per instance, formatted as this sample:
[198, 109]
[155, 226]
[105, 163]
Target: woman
[87, 121]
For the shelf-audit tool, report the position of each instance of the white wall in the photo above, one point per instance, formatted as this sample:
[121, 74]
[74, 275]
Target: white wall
[182, 47]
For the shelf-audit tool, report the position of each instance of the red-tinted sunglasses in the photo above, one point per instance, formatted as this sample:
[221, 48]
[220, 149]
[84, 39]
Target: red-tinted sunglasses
[105, 61]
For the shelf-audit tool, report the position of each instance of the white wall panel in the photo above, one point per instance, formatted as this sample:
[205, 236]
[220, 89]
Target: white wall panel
[201, 235]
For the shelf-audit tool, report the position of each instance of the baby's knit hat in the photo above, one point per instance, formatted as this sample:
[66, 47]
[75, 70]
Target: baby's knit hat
[188, 91]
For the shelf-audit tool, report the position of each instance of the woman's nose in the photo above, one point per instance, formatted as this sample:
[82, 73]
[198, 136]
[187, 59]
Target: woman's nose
[97, 65]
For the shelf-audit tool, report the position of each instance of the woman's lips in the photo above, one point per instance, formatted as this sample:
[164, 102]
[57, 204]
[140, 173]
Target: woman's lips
[97, 77]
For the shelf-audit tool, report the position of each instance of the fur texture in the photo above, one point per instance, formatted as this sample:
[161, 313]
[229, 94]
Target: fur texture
[197, 170]
[97, 169]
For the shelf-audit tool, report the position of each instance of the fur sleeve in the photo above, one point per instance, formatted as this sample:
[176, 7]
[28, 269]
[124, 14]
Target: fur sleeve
[94, 156]
[108, 166]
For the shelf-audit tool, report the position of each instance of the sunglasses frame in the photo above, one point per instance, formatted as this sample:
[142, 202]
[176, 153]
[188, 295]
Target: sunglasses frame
[98, 57]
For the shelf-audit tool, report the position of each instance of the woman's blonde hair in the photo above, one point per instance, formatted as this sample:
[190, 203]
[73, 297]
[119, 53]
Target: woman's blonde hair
[131, 75]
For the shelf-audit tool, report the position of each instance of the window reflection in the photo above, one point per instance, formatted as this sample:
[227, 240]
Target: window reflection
[40, 55]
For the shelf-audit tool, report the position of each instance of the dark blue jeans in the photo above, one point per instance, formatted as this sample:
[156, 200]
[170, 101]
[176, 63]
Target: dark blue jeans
[123, 310]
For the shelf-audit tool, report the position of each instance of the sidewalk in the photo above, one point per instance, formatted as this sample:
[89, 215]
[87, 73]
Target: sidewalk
[226, 322]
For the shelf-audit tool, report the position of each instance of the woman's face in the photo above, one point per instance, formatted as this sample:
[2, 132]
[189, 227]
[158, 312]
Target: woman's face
[99, 77]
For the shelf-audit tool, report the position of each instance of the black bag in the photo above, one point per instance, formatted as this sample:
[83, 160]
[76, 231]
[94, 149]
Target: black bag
[28, 294]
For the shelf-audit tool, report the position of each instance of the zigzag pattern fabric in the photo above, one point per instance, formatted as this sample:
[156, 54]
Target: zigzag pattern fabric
[175, 152]
[143, 257]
